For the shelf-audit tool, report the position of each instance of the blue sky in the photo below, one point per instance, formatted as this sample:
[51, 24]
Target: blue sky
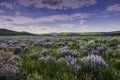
[48, 16]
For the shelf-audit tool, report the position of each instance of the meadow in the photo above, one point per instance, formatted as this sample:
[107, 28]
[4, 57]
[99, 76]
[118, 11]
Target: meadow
[60, 58]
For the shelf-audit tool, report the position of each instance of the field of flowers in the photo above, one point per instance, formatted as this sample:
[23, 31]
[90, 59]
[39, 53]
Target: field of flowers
[60, 58]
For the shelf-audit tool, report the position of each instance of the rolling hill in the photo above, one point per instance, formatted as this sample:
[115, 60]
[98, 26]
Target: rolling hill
[113, 33]
[10, 32]
[6, 32]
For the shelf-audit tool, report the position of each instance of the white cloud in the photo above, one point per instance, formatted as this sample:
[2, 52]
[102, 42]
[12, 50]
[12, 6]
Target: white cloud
[82, 21]
[104, 16]
[57, 4]
[1, 11]
[50, 29]
[64, 17]
[25, 20]
[7, 5]
[16, 19]
[29, 28]
[67, 25]
[113, 8]
[18, 13]
[89, 28]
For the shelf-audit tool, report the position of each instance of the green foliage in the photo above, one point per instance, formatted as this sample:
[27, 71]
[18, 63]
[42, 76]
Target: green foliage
[37, 66]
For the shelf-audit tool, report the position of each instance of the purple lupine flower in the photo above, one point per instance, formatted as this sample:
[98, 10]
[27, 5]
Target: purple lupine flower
[74, 52]
[13, 41]
[94, 61]
[10, 46]
[69, 57]
[17, 50]
[71, 60]
[2, 41]
[100, 48]
[95, 51]
[50, 58]
[47, 44]
[3, 45]
[84, 48]
[66, 51]
[23, 46]
[76, 67]
[18, 47]
[8, 71]
[43, 52]
[60, 59]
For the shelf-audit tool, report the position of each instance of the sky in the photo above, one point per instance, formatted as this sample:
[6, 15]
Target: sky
[55, 16]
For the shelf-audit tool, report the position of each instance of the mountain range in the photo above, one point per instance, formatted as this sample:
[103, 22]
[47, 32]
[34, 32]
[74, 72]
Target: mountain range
[11, 32]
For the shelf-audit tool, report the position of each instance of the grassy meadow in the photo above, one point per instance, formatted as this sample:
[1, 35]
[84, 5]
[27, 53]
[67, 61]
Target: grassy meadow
[60, 58]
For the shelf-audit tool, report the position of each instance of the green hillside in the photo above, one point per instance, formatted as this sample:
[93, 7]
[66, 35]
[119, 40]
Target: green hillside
[10, 32]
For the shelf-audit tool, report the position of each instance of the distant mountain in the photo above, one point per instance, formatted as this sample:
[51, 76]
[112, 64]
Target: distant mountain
[10, 32]
[112, 33]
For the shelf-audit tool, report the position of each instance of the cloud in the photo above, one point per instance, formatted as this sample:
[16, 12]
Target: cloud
[18, 13]
[28, 28]
[90, 28]
[25, 20]
[52, 2]
[67, 25]
[104, 16]
[16, 19]
[7, 5]
[57, 4]
[64, 17]
[50, 29]
[113, 8]
[1, 11]
[82, 21]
